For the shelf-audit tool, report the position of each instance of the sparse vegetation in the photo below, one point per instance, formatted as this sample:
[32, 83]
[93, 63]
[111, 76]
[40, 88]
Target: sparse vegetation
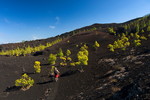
[77, 45]
[60, 53]
[28, 50]
[72, 64]
[96, 45]
[66, 59]
[52, 59]
[120, 43]
[68, 41]
[63, 59]
[126, 41]
[112, 67]
[68, 52]
[111, 30]
[148, 28]
[137, 42]
[37, 67]
[25, 82]
[82, 57]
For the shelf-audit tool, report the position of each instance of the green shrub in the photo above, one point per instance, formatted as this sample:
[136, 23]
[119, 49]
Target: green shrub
[82, 56]
[148, 28]
[77, 45]
[111, 30]
[28, 50]
[96, 45]
[68, 52]
[25, 82]
[37, 67]
[63, 64]
[142, 31]
[77, 63]
[137, 42]
[52, 59]
[69, 59]
[143, 38]
[72, 64]
[63, 58]
[60, 53]
[120, 43]
[131, 34]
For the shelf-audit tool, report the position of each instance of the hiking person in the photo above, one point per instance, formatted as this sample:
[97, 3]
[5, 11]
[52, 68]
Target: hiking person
[54, 73]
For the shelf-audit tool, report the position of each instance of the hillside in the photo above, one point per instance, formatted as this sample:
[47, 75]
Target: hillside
[119, 71]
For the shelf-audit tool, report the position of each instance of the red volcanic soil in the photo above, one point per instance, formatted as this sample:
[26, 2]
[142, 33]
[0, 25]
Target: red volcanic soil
[114, 76]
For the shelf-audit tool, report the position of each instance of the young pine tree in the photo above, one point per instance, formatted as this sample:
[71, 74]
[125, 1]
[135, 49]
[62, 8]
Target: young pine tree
[96, 45]
[142, 31]
[111, 30]
[60, 53]
[52, 59]
[25, 82]
[148, 28]
[63, 61]
[37, 67]
[82, 56]
[68, 52]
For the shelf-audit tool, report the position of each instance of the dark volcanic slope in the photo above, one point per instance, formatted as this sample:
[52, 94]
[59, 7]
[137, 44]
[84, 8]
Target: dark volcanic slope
[71, 82]
[119, 75]
[107, 75]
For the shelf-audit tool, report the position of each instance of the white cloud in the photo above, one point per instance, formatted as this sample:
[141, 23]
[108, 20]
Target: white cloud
[4, 42]
[52, 27]
[35, 37]
[57, 20]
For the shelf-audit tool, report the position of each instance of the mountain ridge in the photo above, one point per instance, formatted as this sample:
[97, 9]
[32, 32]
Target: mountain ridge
[118, 69]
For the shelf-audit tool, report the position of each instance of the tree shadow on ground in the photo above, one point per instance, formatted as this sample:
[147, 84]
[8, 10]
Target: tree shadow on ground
[29, 73]
[41, 83]
[68, 73]
[12, 88]
[38, 53]
[45, 64]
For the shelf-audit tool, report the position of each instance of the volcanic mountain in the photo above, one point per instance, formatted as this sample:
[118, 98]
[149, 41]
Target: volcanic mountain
[117, 69]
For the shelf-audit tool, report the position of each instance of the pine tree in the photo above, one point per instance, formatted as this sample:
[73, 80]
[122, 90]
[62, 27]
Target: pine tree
[125, 27]
[68, 59]
[25, 82]
[137, 28]
[82, 56]
[148, 23]
[60, 53]
[148, 28]
[52, 59]
[142, 31]
[37, 67]
[96, 45]
[68, 52]
[111, 30]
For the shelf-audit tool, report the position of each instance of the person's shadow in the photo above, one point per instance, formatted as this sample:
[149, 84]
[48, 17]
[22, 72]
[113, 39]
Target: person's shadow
[68, 73]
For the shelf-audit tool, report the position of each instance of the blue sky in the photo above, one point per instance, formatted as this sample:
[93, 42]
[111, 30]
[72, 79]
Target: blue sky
[35, 19]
